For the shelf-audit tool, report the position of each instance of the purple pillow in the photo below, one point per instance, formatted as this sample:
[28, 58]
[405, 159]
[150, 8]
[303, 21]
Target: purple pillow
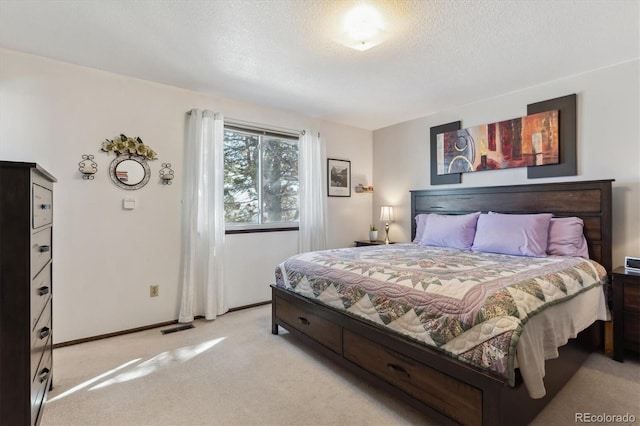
[566, 237]
[515, 234]
[421, 224]
[454, 231]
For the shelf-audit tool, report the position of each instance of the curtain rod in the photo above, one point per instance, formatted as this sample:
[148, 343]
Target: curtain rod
[260, 126]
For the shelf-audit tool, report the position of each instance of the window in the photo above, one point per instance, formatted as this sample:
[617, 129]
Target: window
[260, 179]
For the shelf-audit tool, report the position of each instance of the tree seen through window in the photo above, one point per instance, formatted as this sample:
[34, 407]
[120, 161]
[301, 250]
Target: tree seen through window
[260, 178]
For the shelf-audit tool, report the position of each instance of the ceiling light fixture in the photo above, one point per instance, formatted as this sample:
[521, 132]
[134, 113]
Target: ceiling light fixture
[364, 27]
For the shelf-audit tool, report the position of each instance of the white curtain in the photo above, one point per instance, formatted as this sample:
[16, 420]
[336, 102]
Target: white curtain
[203, 218]
[312, 164]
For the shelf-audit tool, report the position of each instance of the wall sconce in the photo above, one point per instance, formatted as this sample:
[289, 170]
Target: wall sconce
[166, 173]
[87, 167]
[386, 216]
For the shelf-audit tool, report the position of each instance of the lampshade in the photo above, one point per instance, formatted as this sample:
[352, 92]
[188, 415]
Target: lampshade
[386, 214]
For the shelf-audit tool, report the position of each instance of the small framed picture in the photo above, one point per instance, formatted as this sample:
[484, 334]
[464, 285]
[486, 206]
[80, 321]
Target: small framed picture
[338, 178]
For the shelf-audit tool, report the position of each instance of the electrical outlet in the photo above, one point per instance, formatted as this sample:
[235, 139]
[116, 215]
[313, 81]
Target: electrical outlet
[154, 290]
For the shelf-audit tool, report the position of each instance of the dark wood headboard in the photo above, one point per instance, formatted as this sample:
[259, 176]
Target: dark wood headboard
[589, 200]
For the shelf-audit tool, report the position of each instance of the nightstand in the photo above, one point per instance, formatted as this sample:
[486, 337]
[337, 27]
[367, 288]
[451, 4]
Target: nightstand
[626, 311]
[362, 243]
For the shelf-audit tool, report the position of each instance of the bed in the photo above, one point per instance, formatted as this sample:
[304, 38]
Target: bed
[452, 385]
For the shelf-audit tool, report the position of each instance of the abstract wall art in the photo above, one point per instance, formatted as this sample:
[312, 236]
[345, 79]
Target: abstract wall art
[434, 131]
[532, 140]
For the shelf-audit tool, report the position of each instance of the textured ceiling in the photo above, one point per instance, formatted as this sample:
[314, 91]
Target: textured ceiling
[287, 53]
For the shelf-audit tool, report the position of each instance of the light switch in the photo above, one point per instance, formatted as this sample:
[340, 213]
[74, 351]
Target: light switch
[128, 203]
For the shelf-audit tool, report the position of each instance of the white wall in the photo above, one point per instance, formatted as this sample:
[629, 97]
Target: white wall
[105, 257]
[608, 108]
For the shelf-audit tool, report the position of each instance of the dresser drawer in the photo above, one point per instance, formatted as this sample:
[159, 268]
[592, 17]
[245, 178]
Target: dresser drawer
[42, 206]
[318, 328]
[40, 293]
[40, 250]
[40, 338]
[444, 393]
[631, 297]
[631, 330]
[40, 386]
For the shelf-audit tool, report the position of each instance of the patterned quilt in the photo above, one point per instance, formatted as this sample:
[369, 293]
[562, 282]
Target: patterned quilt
[469, 305]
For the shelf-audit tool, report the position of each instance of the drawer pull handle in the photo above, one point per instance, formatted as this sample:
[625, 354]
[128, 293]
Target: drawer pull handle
[45, 206]
[398, 370]
[303, 321]
[43, 290]
[44, 249]
[44, 332]
[44, 375]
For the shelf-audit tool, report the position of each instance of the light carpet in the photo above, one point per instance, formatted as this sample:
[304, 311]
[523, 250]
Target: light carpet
[233, 371]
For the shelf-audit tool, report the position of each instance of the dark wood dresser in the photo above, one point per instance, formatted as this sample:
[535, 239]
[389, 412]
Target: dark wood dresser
[26, 225]
[626, 311]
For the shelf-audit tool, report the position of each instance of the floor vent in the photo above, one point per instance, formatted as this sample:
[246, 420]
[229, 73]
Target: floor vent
[178, 328]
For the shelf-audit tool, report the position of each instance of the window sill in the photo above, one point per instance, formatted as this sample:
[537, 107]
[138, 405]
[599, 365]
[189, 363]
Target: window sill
[260, 230]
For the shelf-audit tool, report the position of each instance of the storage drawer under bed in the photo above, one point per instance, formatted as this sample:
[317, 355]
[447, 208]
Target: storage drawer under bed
[314, 326]
[457, 400]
